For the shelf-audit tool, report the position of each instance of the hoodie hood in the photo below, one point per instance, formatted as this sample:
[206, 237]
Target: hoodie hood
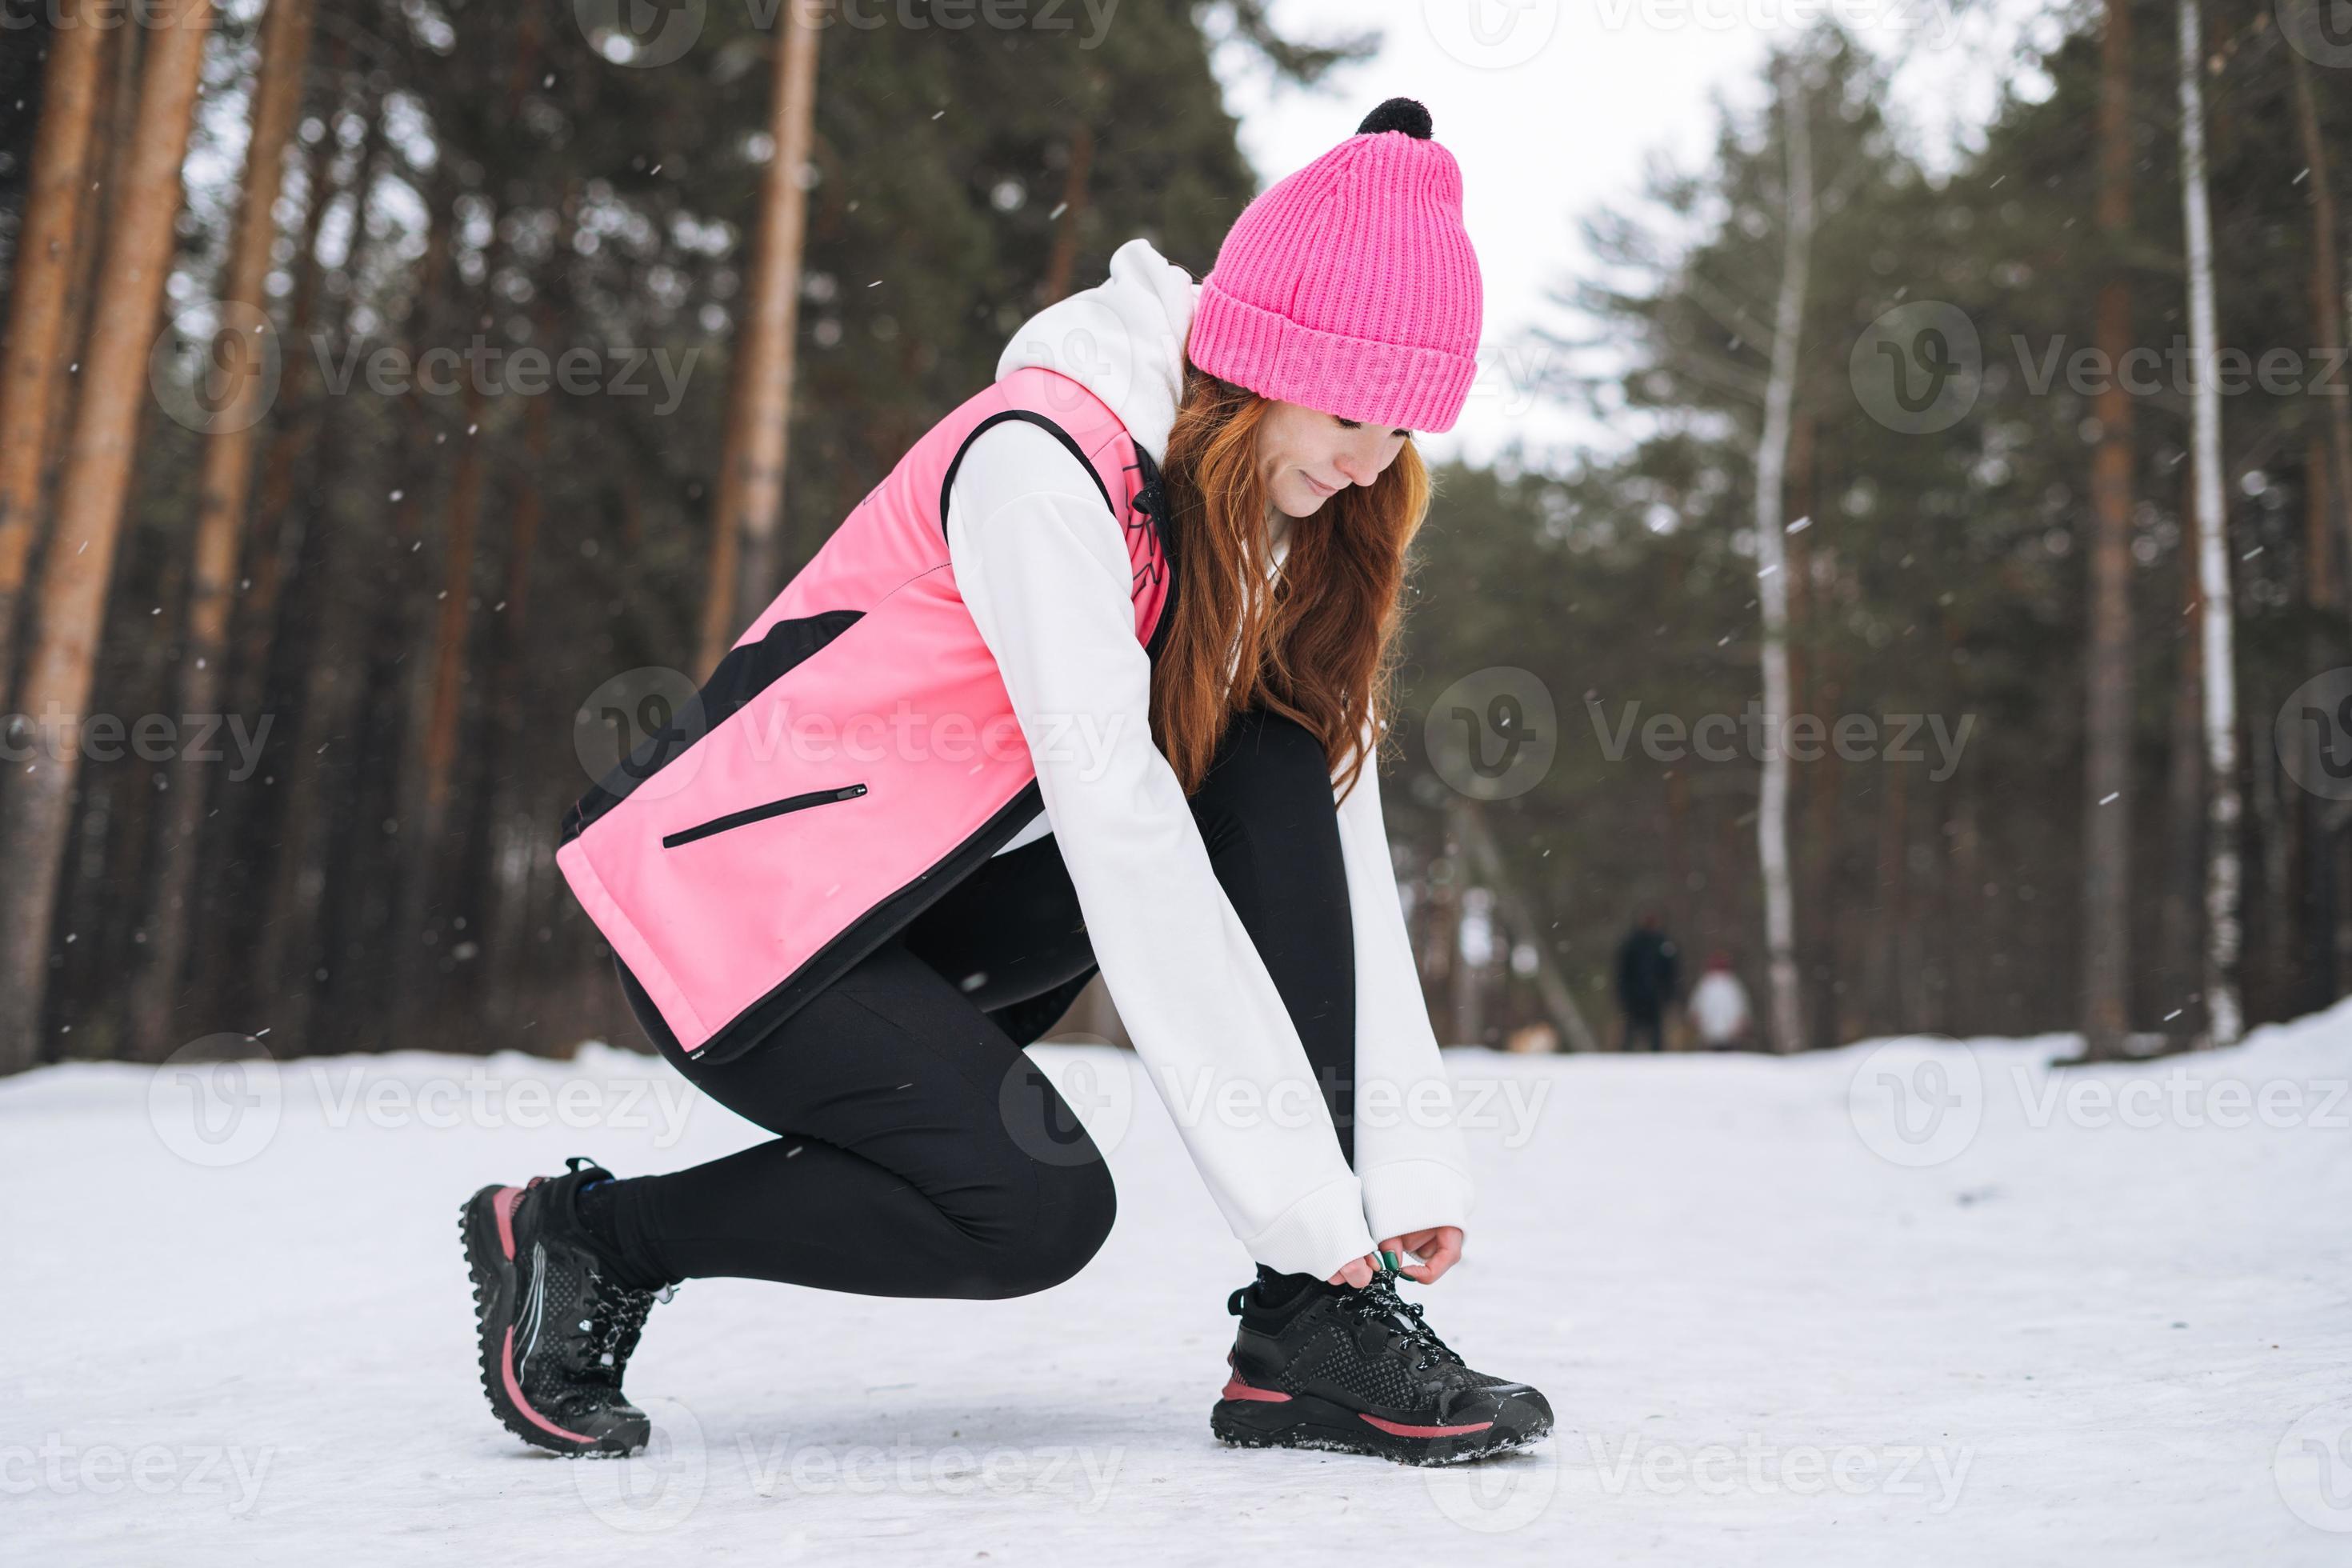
[1123, 340]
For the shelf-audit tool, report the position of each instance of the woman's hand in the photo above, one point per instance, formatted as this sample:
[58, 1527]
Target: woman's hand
[1439, 1247]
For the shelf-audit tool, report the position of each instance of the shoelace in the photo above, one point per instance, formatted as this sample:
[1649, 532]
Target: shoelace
[1379, 1301]
[614, 1330]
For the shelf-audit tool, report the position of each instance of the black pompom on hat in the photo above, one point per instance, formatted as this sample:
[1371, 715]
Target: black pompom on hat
[1398, 115]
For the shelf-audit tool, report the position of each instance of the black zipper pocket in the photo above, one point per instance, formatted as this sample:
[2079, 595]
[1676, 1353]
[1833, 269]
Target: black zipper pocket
[760, 814]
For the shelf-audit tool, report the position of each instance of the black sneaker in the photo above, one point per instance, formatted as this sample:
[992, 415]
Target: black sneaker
[556, 1333]
[1358, 1370]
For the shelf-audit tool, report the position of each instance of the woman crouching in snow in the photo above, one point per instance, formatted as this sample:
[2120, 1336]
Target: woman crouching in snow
[1098, 668]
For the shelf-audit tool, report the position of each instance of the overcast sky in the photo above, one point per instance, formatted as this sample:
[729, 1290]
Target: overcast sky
[1553, 109]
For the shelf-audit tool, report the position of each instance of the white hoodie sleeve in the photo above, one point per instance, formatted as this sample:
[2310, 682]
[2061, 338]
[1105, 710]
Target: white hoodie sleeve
[1410, 1155]
[1043, 564]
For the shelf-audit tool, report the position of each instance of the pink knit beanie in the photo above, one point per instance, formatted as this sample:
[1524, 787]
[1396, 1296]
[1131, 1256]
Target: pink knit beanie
[1351, 286]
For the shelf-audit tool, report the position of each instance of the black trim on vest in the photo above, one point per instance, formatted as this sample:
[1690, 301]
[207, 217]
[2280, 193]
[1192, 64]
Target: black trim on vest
[1033, 418]
[1150, 500]
[743, 674]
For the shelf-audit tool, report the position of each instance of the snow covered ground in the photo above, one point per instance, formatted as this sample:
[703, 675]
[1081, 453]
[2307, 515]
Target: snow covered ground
[1893, 1304]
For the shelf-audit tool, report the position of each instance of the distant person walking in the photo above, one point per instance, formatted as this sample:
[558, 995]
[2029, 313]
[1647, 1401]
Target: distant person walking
[1645, 982]
[1719, 1007]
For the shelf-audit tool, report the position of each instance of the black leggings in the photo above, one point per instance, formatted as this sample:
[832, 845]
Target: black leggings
[918, 1152]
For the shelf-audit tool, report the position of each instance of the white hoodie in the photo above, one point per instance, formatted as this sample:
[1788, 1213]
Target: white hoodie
[1043, 567]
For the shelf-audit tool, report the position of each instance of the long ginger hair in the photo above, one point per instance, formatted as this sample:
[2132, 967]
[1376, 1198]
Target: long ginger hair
[1318, 644]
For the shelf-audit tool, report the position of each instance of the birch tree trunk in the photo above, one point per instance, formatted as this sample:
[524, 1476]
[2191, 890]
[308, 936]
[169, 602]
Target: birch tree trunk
[2221, 863]
[37, 352]
[80, 564]
[2107, 687]
[2184, 812]
[1771, 468]
[222, 493]
[759, 426]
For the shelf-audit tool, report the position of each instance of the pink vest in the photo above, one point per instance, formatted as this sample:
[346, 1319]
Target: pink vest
[852, 758]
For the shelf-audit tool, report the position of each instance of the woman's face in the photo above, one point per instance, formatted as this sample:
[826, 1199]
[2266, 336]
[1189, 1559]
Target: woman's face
[1307, 456]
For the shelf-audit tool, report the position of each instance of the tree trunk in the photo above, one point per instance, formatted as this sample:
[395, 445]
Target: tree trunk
[1771, 465]
[436, 695]
[110, 154]
[37, 359]
[2326, 303]
[394, 700]
[1061, 263]
[463, 519]
[1965, 901]
[2222, 1018]
[1520, 916]
[299, 412]
[2316, 892]
[80, 564]
[325, 786]
[502, 884]
[237, 349]
[227, 882]
[2107, 686]
[759, 428]
[2184, 835]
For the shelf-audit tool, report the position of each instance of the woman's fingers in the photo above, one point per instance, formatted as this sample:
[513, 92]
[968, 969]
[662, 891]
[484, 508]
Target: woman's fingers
[1446, 1252]
[1356, 1272]
[1439, 1249]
